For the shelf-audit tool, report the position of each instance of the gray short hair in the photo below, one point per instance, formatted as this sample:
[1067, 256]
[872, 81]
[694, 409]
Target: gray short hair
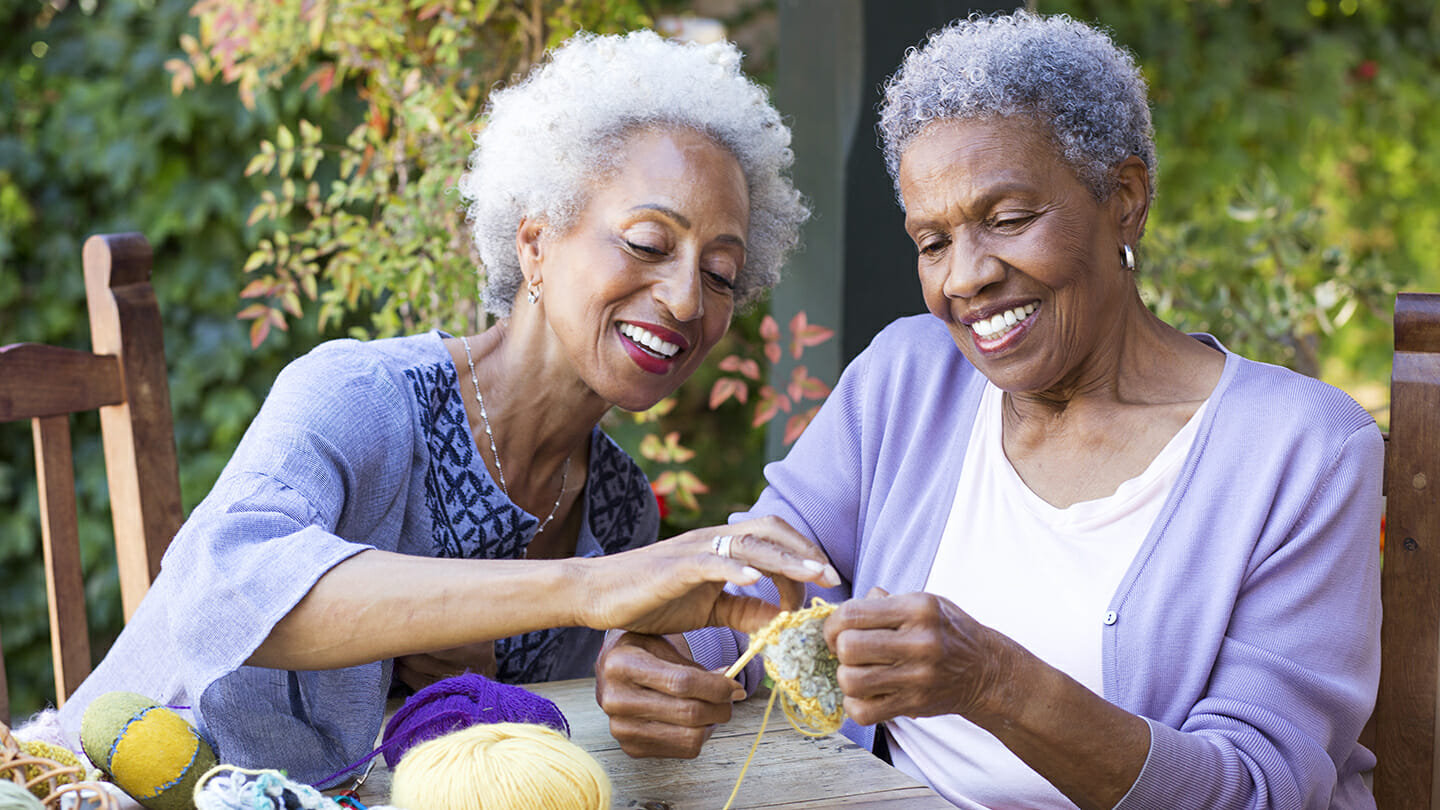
[553, 136]
[1064, 74]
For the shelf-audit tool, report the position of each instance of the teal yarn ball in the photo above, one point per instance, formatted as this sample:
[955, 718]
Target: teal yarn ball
[14, 797]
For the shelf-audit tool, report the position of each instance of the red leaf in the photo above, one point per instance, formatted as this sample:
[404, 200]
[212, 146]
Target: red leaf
[727, 387]
[690, 482]
[771, 403]
[769, 329]
[796, 424]
[736, 363]
[665, 484]
[259, 329]
[803, 386]
[259, 288]
[772, 353]
[797, 323]
[322, 78]
[803, 334]
[652, 448]
[253, 311]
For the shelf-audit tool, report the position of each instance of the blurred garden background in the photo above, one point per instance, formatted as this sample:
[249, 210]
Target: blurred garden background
[292, 163]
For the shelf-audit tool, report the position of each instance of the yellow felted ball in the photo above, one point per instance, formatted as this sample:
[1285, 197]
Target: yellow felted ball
[500, 766]
[149, 751]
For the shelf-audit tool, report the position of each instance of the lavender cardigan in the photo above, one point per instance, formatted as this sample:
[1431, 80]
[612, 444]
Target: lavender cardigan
[1247, 630]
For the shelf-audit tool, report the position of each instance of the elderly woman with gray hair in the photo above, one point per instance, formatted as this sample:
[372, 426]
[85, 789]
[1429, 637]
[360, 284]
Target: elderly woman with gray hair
[1090, 560]
[409, 508]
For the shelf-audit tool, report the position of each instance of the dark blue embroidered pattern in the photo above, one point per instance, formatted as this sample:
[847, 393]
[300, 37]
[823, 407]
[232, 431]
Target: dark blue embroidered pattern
[472, 518]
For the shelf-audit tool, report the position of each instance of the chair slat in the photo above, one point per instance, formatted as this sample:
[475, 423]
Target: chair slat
[1417, 322]
[139, 436]
[1408, 772]
[56, 381]
[64, 582]
[125, 380]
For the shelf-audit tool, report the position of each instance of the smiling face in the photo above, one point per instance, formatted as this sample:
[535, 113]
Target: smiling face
[639, 288]
[1016, 255]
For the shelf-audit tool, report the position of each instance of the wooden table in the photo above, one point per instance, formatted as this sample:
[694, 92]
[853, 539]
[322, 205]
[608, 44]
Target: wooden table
[789, 770]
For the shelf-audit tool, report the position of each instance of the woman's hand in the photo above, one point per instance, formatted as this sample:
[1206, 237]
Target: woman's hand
[677, 584]
[918, 655]
[661, 703]
[420, 670]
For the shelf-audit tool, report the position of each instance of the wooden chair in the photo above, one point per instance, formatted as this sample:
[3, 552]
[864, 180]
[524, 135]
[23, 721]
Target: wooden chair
[1404, 724]
[125, 380]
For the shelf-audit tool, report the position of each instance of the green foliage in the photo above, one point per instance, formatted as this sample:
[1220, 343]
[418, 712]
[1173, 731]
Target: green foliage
[367, 221]
[1298, 185]
[91, 141]
[1299, 176]
[1263, 277]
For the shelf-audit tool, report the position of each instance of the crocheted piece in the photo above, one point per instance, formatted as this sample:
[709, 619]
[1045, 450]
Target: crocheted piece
[802, 667]
[58, 784]
[226, 787]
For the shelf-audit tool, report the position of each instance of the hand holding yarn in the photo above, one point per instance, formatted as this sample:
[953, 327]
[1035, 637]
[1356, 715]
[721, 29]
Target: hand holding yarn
[804, 671]
[677, 585]
[660, 702]
[918, 655]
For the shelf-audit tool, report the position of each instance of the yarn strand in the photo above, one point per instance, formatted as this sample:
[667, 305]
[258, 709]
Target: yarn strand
[803, 671]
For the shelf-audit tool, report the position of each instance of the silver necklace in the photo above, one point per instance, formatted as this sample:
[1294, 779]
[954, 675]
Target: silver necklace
[495, 454]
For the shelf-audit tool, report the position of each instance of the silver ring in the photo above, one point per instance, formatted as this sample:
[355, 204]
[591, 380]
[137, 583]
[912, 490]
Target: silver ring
[722, 545]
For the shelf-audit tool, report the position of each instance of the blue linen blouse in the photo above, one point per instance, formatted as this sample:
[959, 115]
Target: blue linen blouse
[359, 445]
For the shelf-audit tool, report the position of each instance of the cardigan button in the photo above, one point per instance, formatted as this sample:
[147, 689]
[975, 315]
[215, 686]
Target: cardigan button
[1111, 617]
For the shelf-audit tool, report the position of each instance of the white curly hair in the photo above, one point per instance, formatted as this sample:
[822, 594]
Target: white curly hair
[1062, 73]
[554, 136]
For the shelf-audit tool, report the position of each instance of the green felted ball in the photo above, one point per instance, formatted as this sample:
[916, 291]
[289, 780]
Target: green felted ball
[149, 751]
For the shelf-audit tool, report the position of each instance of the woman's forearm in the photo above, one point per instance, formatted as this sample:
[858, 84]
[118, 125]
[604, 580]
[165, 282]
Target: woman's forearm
[1088, 748]
[377, 605]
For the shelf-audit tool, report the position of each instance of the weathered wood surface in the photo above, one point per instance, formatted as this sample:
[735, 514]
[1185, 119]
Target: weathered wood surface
[789, 771]
[1406, 723]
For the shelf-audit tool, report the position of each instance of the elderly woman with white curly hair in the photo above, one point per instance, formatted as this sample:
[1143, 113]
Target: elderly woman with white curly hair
[1099, 562]
[410, 508]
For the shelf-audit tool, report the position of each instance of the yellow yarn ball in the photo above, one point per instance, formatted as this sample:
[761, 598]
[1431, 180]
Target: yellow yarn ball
[500, 766]
[149, 751]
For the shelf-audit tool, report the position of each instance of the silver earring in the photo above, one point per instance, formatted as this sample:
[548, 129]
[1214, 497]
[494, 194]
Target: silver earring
[533, 296]
[1127, 257]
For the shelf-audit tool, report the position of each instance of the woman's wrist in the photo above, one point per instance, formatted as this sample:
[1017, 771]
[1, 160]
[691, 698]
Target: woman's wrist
[577, 582]
[1015, 682]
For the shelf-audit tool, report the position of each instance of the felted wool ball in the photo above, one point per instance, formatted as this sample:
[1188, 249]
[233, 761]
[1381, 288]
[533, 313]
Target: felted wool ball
[500, 766]
[149, 751]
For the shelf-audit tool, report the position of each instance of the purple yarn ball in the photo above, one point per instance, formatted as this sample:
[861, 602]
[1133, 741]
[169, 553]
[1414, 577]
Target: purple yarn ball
[460, 702]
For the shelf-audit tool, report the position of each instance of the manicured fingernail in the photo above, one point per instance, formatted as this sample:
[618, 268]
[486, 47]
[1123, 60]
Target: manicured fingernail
[738, 694]
[752, 573]
[813, 565]
[832, 577]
